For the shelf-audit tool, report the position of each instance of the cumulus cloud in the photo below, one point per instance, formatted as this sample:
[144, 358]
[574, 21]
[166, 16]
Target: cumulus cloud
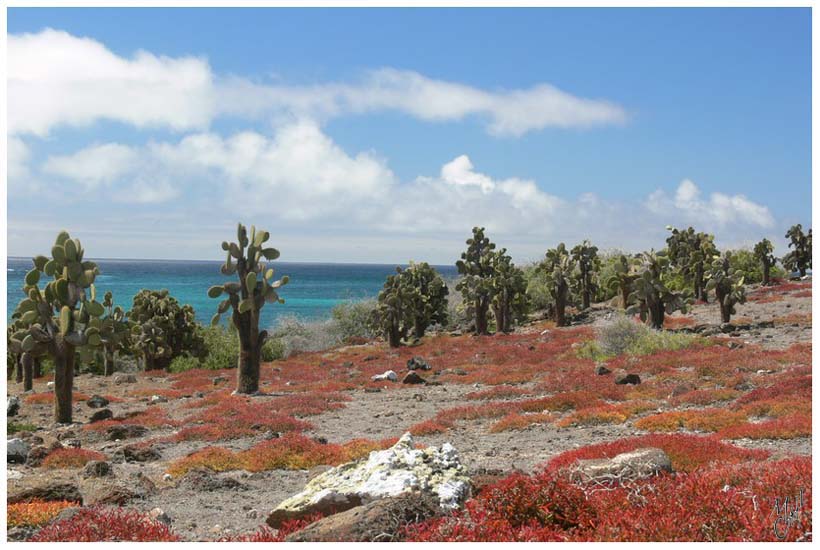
[95, 165]
[55, 79]
[716, 212]
[18, 155]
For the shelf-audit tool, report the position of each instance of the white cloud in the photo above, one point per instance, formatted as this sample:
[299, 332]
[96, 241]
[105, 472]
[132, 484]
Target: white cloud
[18, 156]
[95, 165]
[718, 212]
[56, 79]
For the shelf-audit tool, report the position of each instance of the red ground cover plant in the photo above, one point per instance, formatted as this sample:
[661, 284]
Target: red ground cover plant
[162, 392]
[497, 392]
[515, 421]
[429, 427]
[47, 398]
[34, 513]
[726, 503]
[786, 427]
[705, 397]
[289, 452]
[674, 322]
[152, 417]
[69, 457]
[106, 524]
[266, 534]
[700, 420]
[687, 452]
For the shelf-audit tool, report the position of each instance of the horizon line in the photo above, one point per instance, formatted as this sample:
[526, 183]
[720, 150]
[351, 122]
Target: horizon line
[14, 257]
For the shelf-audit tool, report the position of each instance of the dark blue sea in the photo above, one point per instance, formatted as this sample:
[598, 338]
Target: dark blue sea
[310, 294]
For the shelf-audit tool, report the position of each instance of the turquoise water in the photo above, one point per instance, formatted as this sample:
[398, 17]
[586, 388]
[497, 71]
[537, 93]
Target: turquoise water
[312, 292]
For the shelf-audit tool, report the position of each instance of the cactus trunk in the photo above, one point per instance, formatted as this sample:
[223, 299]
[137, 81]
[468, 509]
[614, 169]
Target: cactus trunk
[28, 367]
[38, 368]
[481, 310]
[419, 327]
[18, 376]
[766, 272]
[108, 362]
[560, 307]
[656, 315]
[700, 293]
[625, 297]
[247, 379]
[63, 381]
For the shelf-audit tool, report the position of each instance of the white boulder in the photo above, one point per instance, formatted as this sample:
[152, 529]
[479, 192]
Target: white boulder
[16, 450]
[389, 375]
[395, 471]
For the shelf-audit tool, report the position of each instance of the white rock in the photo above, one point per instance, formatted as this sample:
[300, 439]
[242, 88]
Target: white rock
[394, 471]
[16, 450]
[167, 477]
[158, 399]
[50, 385]
[388, 375]
[12, 405]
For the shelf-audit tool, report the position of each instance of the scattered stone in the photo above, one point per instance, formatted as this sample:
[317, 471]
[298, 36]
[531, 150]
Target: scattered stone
[102, 414]
[418, 363]
[418, 397]
[20, 534]
[36, 455]
[215, 529]
[388, 375]
[132, 453]
[218, 380]
[66, 514]
[16, 450]
[347, 364]
[413, 378]
[372, 390]
[601, 370]
[636, 464]
[158, 514]
[252, 514]
[167, 477]
[382, 520]
[460, 372]
[73, 443]
[627, 379]
[158, 399]
[199, 395]
[456, 333]
[370, 358]
[395, 471]
[50, 385]
[115, 495]
[12, 405]
[50, 491]
[98, 468]
[205, 480]
[97, 402]
[125, 379]
[125, 431]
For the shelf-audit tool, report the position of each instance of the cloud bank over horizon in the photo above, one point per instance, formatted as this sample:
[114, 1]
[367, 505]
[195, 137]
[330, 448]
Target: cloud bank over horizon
[188, 190]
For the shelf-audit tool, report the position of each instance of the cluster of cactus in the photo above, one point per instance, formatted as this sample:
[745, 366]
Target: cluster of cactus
[256, 286]
[558, 268]
[509, 301]
[476, 268]
[115, 333]
[727, 284]
[15, 356]
[650, 296]
[586, 258]
[690, 252]
[621, 281]
[162, 329]
[798, 259]
[763, 253]
[61, 317]
[411, 300]
[490, 280]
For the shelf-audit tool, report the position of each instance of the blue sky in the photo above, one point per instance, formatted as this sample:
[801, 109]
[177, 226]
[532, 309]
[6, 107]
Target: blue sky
[383, 135]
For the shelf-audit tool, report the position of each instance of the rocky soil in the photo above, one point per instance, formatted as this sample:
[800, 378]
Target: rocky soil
[207, 506]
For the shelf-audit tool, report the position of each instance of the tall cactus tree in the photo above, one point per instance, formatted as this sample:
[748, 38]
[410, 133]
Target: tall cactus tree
[509, 292]
[430, 301]
[476, 283]
[162, 329]
[255, 288]
[622, 279]
[61, 317]
[650, 294]
[798, 259]
[558, 268]
[763, 253]
[727, 284]
[586, 257]
[114, 332]
[395, 312]
[691, 252]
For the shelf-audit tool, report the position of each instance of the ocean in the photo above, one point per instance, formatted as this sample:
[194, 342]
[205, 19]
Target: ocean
[310, 294]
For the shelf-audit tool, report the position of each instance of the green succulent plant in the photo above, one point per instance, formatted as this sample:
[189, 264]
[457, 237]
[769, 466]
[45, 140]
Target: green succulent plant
[650, 296]
[621, 281]
[586, 258]
[763, 253]
[59, 318]
[727, 284]
[256, 286]
[162, 329]
[476, 268]
[798, 259]
[115, 333]
[394, 313]
[509, 301]
[429, 304]
[558, 268]
[691, 253]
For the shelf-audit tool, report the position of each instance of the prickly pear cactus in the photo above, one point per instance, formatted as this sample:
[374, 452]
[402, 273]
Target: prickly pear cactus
[763, 254]
[256, 286]
[622, 279]
[558, 268]
[798, 259]
[476, 283]
[509, 301]
[727, 284]
[162, 329]
[115, 332]
[650, 291]
[61, 317]
[585, 279]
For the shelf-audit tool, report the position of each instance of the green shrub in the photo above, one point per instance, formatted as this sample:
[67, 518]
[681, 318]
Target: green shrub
[183, 363]
[220, 345]
[625, 336]
[272, 349]
[14, 427]
[354, 320]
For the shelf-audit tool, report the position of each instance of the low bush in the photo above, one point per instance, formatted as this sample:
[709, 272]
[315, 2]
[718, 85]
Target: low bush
[106, 524]
[34, 513]
[70, 457]
[626, 336]
[786, 427]
[354, 321]
[14, 427]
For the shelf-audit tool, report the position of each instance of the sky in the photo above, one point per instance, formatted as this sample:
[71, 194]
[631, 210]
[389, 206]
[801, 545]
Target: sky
[383, 135]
